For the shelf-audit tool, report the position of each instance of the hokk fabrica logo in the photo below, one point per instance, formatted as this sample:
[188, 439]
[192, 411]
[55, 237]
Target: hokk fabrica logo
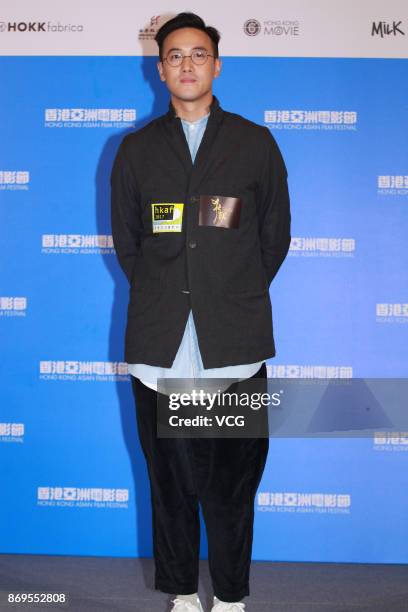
[23, 27]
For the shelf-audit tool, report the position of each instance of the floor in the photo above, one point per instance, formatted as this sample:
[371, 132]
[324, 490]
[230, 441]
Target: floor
[125, 584]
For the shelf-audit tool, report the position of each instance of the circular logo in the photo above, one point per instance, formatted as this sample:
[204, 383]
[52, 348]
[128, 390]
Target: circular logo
[2, 27]
[252, 27]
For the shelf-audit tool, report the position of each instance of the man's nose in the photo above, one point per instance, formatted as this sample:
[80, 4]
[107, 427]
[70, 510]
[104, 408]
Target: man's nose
[186, 62]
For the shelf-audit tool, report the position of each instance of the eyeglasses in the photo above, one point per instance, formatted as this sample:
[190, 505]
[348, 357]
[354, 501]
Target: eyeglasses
[198, 57]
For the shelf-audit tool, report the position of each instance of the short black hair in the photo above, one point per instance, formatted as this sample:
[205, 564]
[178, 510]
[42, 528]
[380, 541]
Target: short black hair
[186, 20]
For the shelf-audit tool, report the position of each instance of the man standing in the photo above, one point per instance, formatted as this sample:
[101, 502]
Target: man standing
[201, 225]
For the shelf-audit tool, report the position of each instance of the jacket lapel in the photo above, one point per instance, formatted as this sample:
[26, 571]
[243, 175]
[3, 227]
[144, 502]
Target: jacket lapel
[174, 134]
[203, 158]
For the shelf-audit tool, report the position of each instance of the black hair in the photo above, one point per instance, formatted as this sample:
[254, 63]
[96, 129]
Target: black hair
[187, 20]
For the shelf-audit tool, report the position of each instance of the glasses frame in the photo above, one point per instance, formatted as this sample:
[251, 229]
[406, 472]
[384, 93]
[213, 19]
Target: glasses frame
[190, 56]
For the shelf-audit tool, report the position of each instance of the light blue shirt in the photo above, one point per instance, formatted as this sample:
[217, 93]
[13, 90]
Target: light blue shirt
[187, 362]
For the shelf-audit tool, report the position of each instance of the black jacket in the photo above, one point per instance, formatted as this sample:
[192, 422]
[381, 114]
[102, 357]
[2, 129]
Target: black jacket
[208, 236]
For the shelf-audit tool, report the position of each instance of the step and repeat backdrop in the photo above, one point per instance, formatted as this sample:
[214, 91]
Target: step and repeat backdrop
[329, 79]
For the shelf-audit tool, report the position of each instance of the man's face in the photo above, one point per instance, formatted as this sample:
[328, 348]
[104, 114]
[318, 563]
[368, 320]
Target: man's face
[188, 82]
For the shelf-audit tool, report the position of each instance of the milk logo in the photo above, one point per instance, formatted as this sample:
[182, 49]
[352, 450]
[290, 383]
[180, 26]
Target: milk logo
[390, 441]
[391, 313]
[13, 306]
[82, 497]
[12, 432]
[341, 120]
[302, 246]
[317, 503]
[309, 371]
[77, 244]
[89, 117]
[384, 29]
[98, 371]
[392, 184]
[14, 180]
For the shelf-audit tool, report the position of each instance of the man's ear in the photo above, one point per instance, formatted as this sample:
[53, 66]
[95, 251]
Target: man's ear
[160, 69]
[217, 67]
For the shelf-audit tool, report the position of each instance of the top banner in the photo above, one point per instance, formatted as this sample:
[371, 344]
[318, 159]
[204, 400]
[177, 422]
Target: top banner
[289, 28]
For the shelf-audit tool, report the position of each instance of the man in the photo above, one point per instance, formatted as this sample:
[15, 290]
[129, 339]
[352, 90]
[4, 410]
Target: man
[201, 225]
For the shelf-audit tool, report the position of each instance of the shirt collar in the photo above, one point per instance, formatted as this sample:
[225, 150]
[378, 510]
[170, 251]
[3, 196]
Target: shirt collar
[215, 111]
[197, 122]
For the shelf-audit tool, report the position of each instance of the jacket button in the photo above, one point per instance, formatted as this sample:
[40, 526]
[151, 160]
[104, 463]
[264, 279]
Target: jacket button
[192, 244]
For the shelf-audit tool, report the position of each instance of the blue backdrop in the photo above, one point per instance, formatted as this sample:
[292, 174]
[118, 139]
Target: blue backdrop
[74, 479]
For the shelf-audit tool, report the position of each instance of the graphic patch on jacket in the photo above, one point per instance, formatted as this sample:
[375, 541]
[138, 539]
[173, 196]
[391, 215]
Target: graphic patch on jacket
[167, 217]
[219, 211]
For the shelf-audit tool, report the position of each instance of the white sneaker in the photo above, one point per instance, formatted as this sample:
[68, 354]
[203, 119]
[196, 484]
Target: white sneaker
[220, 606]
[180, 605]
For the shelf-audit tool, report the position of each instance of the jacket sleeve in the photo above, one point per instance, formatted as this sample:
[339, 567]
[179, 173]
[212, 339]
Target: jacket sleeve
[126, 220]
[273, 209]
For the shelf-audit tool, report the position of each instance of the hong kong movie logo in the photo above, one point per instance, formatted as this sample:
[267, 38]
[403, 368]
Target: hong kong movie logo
[252, 27]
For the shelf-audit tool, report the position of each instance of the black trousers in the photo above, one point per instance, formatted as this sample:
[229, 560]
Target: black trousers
[221, 474]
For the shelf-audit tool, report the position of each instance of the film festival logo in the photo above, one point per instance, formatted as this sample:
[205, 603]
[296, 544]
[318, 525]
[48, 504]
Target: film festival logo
[271, 27]
[149, 32]
[82, 497]
[316, 503]
[12, 432]
[384, 29]
[308, 371]
[322, 247]
[14, 180]
[392, 184]
[391, 313]
[89, 117]
[341, 120]
[13, 306]
[77, 244]
[39, 27]
[85, 371]
[390, 441]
